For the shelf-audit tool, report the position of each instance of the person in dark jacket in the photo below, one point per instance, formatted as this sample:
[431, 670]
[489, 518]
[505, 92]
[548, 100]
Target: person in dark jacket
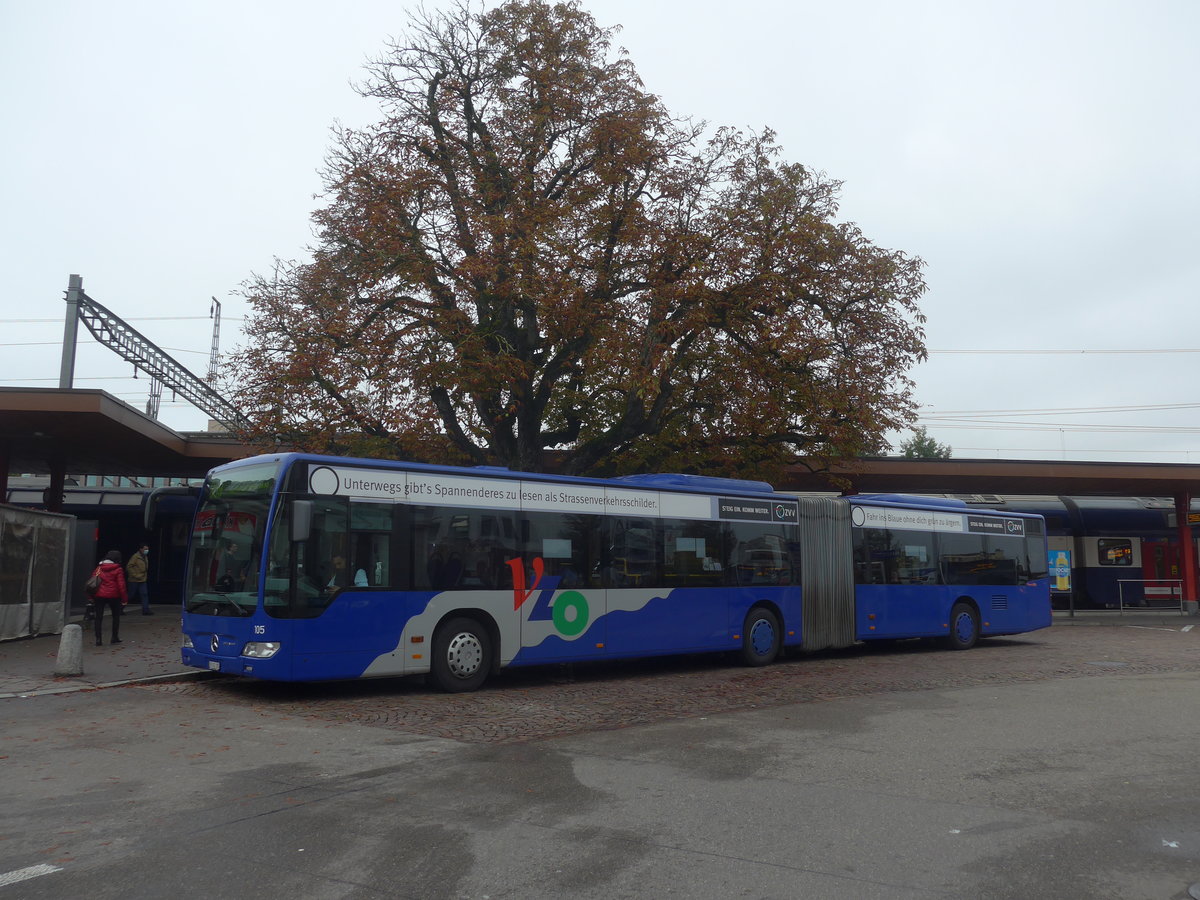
[137, 572]
[111, 593]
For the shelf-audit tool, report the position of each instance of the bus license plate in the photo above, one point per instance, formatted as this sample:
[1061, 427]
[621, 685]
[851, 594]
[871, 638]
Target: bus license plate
[214, 665]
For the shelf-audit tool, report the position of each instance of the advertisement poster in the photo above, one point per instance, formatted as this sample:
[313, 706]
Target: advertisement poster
[1060, 570]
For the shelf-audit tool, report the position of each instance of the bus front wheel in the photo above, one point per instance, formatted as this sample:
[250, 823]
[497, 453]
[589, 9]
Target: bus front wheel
[964, 627]
[462, 656]
[761, 637]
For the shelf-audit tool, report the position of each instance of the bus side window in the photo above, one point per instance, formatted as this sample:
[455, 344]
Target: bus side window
[567, 544]
[633, 558]
[758, 554]
[962, 559]
[692, 554]
[370, 544]
[1006, 555]
[455, 549]
[1035, 550]
[874, 556]
[917, 559]
[370, 560]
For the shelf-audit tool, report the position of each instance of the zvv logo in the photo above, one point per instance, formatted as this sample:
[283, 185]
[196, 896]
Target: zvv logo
[785, 512]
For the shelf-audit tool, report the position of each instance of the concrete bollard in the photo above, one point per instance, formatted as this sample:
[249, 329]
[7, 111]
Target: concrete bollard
[70, 652]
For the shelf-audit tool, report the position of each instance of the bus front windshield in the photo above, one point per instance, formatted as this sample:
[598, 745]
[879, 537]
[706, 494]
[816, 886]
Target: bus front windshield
[227, 539]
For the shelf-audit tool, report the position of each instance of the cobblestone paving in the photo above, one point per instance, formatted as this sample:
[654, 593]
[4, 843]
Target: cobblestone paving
[524, 705]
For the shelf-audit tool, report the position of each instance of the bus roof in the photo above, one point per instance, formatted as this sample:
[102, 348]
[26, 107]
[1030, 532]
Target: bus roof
[941, 503]
[698, 484]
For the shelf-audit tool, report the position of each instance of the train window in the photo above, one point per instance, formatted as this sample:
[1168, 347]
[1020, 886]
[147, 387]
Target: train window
[1115, 551]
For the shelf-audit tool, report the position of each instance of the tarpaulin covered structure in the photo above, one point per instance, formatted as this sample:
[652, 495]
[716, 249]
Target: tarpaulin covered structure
[35, 553]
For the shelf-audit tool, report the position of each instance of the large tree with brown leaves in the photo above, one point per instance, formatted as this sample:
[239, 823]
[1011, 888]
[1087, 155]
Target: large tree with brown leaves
[529, 252]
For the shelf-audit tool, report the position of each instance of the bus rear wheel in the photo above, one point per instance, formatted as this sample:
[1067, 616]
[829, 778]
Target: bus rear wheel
[964, 627]
[761, 637]
[462, 656]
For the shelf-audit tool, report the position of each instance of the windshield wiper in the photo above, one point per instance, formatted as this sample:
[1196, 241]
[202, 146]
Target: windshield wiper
[222, 599]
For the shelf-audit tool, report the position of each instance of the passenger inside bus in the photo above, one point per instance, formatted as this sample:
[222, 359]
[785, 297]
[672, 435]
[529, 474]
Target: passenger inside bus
[337, 574]
[231, 569]
[362, 561]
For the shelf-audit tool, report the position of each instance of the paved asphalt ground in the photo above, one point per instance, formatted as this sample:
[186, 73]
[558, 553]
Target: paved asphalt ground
[149, 650]
[1057, 765]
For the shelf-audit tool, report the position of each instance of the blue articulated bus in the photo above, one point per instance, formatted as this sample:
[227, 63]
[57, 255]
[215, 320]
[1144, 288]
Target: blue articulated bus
[307, 568]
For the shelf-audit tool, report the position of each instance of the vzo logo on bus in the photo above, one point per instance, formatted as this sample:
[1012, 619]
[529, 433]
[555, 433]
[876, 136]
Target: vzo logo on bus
[569, 611]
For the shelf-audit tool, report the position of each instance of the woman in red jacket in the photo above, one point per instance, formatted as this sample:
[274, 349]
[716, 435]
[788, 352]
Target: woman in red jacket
[111, 593]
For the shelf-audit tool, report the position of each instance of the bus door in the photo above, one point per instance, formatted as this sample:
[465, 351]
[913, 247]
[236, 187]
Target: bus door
[898, 592]
[666, 586]
[344, 608]
[557, 587]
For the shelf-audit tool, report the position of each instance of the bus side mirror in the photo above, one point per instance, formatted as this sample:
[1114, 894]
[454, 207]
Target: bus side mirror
[302, 514]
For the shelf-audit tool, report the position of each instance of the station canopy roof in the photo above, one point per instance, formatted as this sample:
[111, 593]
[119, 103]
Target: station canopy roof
[991, 477]
[92, 432]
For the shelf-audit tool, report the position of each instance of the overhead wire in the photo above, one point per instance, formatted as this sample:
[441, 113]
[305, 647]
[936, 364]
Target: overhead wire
[982, 420]
[1067, 352]
[1057, 411]
[59, 321]
[59, 343]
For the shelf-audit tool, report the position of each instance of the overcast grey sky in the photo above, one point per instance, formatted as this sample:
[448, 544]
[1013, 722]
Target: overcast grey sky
[1042, 157]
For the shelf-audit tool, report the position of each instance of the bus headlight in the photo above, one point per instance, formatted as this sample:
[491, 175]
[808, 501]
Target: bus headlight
[187, 642]
[261, 649]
